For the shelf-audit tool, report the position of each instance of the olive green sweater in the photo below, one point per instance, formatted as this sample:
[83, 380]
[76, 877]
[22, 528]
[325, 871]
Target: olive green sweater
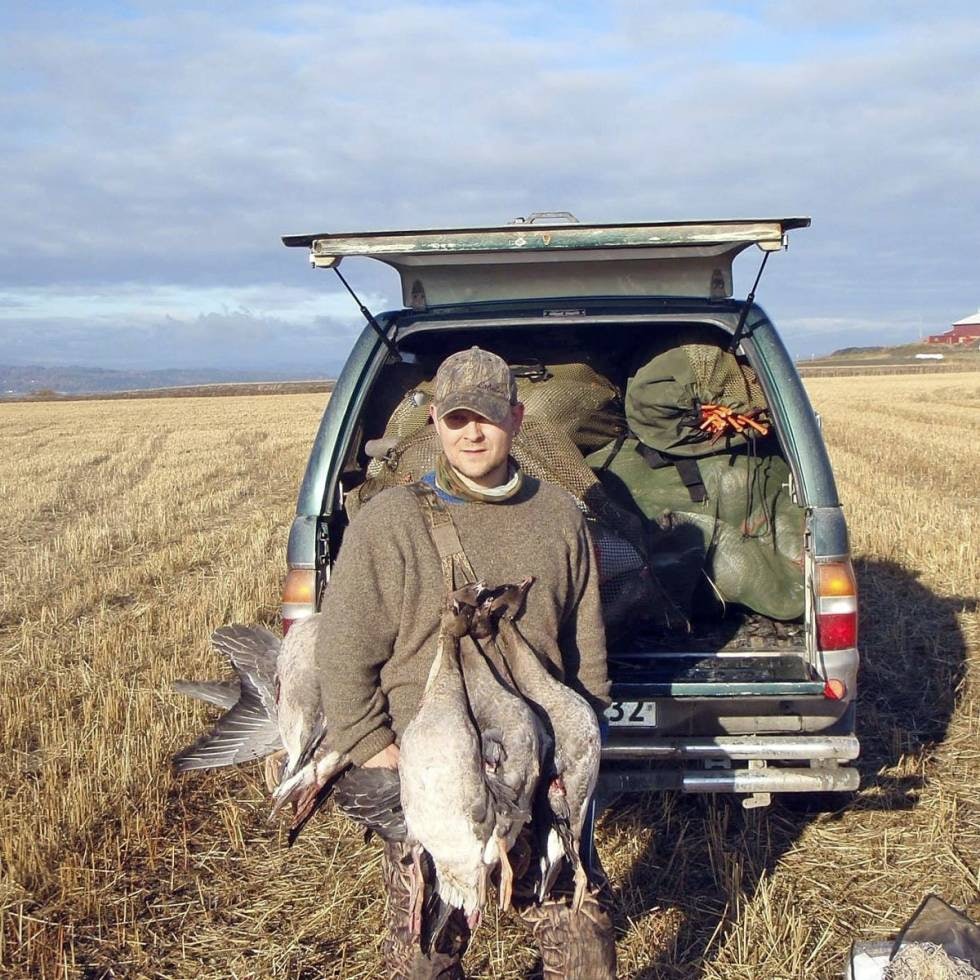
[378, 632]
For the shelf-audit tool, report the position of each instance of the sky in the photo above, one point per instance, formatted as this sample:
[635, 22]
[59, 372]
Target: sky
[151, 156]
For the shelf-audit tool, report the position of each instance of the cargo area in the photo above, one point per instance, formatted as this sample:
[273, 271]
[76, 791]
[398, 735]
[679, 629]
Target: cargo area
[713, 570]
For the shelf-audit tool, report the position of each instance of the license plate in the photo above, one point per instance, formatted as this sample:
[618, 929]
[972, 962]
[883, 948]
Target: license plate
[642, 714]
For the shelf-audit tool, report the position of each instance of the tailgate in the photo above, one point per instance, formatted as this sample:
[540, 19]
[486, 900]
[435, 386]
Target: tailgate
[746, 724]
[645, 677]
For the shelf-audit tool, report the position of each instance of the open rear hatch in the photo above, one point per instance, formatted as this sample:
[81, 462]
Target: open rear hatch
[537, 261]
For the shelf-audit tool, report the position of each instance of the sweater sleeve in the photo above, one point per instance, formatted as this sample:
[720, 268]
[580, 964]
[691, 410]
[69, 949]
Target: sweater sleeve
[583, 635]
[361, 612]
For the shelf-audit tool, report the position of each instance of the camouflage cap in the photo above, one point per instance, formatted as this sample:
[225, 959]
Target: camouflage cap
[477, 380]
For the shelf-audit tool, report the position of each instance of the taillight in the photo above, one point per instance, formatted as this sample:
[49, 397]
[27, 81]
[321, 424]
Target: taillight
[836, 591]
[835, 689]
[298, 596]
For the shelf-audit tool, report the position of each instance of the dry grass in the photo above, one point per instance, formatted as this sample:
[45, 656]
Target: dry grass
[132, 529]
[810, 370]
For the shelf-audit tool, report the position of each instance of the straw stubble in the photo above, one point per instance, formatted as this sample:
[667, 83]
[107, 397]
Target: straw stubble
[132, 529]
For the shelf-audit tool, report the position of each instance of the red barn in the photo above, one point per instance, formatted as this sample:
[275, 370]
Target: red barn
[965, 331]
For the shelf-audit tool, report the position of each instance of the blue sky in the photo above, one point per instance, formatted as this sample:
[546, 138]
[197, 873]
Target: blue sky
[153, 154]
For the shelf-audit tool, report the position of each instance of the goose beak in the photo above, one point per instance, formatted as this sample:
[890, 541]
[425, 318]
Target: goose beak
[510, 598]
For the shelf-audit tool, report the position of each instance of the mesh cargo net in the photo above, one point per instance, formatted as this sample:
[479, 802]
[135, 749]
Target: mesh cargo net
[720, 377]
[569, 407]
[541, 449]
[576, 400]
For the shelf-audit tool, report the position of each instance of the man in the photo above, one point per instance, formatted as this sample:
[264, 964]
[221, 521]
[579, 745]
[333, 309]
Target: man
[381, 616]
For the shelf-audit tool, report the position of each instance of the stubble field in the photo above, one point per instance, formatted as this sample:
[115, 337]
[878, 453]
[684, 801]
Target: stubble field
[132, 529]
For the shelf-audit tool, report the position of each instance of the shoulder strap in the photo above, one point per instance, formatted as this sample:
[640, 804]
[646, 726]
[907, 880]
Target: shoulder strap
[690, 474]
[456, 567]
[686, 466]
[614, 452]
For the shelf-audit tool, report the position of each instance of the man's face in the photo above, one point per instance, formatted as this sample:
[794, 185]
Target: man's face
[477, 447]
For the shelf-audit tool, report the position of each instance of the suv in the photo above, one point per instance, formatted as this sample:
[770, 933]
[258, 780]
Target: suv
[737, 702]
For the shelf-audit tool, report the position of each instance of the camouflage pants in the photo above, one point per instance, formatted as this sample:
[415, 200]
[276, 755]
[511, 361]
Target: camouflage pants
[403, 956]
[572, 945]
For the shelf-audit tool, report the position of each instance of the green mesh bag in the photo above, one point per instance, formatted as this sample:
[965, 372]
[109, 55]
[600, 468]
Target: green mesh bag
[664, 398]
[573, 398]
[746, 537]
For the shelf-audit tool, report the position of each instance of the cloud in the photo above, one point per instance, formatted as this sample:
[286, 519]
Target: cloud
[228, 341]
[168, 149]
[149, 303]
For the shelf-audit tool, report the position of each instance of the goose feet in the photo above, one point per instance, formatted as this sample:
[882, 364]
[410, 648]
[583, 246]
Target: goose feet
[275, 766]
[581, 887]
[416, 893]
[506, 875]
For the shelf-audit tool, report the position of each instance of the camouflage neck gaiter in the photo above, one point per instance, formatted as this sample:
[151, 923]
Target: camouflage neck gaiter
[458, 485]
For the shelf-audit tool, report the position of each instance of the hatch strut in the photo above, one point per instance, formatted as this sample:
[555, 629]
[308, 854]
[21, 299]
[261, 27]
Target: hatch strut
[749, 300]
[375, 326]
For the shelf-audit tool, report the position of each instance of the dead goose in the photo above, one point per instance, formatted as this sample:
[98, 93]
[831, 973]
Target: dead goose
[273, 703]
[575, 731]
[273, 710]
[447, 804]
[511, 740]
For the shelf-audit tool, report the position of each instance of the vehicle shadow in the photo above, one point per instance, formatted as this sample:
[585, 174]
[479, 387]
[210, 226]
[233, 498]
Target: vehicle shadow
[702, 857]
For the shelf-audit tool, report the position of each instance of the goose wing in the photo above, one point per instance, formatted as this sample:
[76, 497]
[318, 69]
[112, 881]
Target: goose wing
[249, 729]
[223, 694]
[253, 652]
[372, 797]
[244, 733]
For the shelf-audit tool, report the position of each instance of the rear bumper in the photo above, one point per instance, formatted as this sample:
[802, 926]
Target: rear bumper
[842, 748]
[742, 781]
[744, 764]
[734, 694]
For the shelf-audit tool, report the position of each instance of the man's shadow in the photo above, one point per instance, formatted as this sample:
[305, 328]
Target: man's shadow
[702, 856]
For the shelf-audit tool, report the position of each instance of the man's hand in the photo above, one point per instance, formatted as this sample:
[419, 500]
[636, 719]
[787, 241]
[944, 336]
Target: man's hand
[387, 758]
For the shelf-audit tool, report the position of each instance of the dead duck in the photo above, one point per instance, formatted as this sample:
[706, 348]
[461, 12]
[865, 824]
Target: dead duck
[575, 731]
[444, 794]
[312, 768]
[512, 742]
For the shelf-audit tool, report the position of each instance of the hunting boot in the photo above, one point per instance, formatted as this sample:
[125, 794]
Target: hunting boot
[401, 951]
[573, 945]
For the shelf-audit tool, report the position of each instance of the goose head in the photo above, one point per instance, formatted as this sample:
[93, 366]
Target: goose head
[461, 606]
[505, 601]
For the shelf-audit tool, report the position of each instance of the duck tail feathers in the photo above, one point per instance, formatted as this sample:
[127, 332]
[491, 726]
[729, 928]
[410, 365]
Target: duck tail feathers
[449, 894]
[460, 895]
